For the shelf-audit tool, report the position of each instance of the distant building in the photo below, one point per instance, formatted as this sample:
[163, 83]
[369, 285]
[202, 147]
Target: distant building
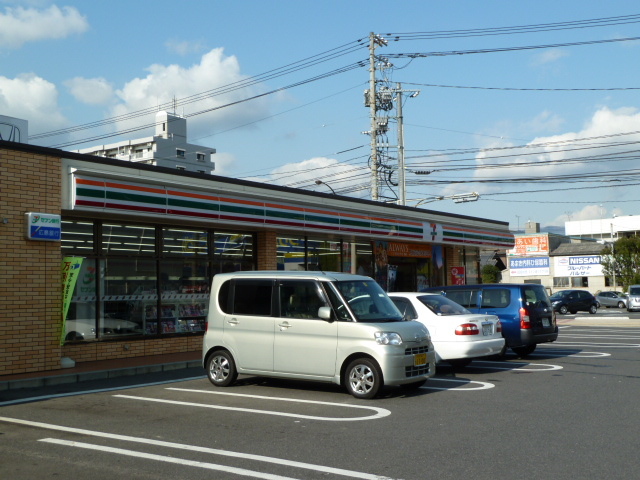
[167, 148]
[604, 229]
[557, 261]
[14, 129]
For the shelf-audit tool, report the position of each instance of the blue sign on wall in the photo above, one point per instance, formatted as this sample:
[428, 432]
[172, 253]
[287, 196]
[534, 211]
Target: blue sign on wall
[43, 226]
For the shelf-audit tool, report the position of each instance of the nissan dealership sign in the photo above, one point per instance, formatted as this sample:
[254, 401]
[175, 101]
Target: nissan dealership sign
[579, 266]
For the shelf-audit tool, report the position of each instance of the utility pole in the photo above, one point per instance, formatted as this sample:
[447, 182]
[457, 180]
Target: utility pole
[374, 40]
[402, 184]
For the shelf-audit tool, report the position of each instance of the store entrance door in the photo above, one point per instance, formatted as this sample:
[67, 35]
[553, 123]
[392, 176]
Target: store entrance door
[406, 275]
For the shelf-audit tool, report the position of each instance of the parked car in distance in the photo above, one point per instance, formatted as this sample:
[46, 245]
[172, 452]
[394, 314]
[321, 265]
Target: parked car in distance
[633, 298]
[611, 299]
[573, 301]
[328, 327]
[524, 310]
[458, 335]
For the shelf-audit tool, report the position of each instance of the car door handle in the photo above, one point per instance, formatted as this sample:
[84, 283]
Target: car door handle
[233, 321]
[284, 326]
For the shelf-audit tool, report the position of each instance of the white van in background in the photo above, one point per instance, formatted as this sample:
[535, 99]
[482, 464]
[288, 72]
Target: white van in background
[331, 327]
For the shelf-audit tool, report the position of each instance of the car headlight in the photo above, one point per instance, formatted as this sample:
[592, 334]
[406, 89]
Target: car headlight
[388, 338]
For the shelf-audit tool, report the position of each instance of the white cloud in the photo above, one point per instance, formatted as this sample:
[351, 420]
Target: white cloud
[166, 82]
[21, 25]
[570, 152]
[334, 177]
[183, 47]
[33, 99]
[92, 91]
[549, 56]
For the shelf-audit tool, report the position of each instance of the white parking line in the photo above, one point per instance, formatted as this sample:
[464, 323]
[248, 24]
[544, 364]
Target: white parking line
[196, 448]
[544, 367]
[599, 344]
[162, 458]
[380, 412]
[483, 385]
[569, 353]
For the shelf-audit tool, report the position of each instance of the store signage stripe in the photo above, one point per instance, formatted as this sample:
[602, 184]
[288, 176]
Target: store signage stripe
[208, 198]
[87, 181]
[137, 188]
[189, 213]
[133, 197]
[87, 192]
[277, 214]
[241, 210]
[323, 220]
[192, 205]
[137, 208]
[89, 203]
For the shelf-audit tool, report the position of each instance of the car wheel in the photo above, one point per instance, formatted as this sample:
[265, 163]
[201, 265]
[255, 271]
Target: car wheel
[620, 304]
[524, 351]
[221, 369]
[459, 362]
[563, 310]
[363, 378]
[598, 304]
[593, 309]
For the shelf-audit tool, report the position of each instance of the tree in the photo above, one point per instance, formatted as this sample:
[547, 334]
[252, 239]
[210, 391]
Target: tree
[490, 274]
[623, 261]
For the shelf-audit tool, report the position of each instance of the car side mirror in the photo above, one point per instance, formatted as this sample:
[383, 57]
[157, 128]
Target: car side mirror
[325, 313]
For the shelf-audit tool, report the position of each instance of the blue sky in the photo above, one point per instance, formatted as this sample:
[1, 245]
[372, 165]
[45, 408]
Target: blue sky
[522, 127]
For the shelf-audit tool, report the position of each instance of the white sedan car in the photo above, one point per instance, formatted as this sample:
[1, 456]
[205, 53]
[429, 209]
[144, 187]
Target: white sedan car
[458, 335]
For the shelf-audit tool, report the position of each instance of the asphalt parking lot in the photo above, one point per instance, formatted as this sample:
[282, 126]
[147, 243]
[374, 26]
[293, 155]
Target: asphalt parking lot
[568, 411]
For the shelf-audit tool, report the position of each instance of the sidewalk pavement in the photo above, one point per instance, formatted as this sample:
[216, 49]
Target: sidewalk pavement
[598, 321]
[103, 369]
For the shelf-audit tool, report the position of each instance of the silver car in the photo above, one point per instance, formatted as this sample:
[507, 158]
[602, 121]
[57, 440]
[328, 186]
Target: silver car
[330, 327]
[633, 298]
[611, 299]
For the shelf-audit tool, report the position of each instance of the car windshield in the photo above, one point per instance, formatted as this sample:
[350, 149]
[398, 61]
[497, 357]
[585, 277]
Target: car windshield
[368, 302]
[442, 305]
[634, 291]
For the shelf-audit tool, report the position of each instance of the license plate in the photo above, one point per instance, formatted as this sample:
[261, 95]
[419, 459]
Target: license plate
[546, 322]
[487, 330]
[419, 359]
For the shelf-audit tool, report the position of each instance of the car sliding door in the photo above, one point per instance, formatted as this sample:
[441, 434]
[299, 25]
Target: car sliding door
[304, 343]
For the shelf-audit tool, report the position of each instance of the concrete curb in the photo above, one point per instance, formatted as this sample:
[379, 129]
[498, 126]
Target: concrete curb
[96, 375]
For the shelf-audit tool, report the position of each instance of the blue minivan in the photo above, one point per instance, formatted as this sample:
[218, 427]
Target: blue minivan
[524, 310]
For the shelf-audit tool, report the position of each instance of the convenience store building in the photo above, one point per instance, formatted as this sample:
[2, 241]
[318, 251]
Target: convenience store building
[104, 259]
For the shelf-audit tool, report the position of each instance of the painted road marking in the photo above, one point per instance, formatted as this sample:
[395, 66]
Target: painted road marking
[379, 412]
[569, 353]
[482, 385]
[540, 367]
[196, 448]
[162, 458]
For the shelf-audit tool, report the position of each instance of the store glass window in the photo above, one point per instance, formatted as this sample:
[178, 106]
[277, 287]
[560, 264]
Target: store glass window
[184, 242]
[232, 252]
[128, 239]
[129, 294]
[184, 297]
[78, 236]
[79, 307]
[291, 253]
[324, 255]
[364, 259]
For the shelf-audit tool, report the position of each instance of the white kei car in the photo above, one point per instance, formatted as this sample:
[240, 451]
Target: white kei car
[458, 335]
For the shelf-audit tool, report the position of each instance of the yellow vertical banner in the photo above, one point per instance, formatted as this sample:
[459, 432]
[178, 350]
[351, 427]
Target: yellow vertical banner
[70, 271]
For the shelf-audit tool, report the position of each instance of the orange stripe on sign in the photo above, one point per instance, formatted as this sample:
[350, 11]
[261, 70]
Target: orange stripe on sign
[136, 188]
[193, 195]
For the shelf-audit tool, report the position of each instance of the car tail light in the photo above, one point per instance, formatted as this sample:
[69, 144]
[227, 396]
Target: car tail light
[498, 326]
[467, 329]
[206, 326]
[525, 322]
